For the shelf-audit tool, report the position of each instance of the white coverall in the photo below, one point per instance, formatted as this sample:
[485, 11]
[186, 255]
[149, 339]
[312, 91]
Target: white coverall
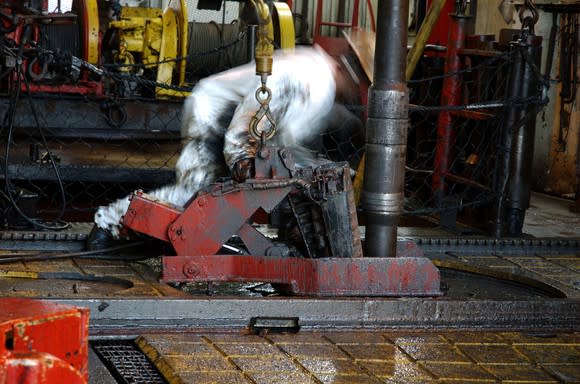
[216, 118]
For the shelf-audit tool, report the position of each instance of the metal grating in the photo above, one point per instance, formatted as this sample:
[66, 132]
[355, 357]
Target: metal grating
[126, 362]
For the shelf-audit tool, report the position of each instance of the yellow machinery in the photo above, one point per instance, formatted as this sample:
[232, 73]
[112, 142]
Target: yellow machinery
[153, 47]
[157, 39]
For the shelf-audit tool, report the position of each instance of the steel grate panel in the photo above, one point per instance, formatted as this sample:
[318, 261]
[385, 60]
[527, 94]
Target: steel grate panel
[127, 363]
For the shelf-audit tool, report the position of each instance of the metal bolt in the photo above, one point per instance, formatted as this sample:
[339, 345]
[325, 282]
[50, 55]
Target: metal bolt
[191, 270]
[176, 232]
[264, 153]
[202, 202]
[179, 231]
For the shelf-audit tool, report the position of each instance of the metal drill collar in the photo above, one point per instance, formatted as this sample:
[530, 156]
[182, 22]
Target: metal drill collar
[387, 131]
[386, 203]
[388, 103]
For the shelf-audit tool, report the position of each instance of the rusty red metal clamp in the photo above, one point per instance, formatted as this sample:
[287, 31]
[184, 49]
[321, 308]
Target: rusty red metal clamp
[332, 262]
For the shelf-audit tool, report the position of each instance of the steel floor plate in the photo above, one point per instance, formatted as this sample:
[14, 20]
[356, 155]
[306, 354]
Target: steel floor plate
[387, 356]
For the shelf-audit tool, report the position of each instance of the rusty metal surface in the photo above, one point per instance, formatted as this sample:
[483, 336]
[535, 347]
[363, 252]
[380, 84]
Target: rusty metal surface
[363, 43]
[386, 356]
[69, 118]
[61, 285]
[152, 305]
[362, 276]
[561, 142]
[142, 208]
[119, 279]
[331, 267]
[43, 342]
[114, 315]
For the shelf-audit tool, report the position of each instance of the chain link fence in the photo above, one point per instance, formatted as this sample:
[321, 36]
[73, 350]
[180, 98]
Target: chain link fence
[460, 157]
[63, 155]
[67, 146]
[475, 137]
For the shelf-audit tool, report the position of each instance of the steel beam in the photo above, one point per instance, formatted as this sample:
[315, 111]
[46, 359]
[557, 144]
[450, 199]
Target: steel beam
[136, 315]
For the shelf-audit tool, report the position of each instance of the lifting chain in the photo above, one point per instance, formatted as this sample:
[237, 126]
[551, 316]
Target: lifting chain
[528, 15]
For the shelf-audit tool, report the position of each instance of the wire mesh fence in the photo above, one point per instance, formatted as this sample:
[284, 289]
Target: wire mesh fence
[475, 136]
[64, 154]
[461, 155]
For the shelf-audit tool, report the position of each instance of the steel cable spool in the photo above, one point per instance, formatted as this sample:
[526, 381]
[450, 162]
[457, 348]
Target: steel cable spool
[204, 37]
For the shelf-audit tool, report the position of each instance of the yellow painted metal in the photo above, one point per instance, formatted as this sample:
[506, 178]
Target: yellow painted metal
[140, 32]
[173, 46]
[140, 12]
[283, 15]
[180, 9]
[159, 38]
[159, 360]
[357, 183]
[168, 48]
[264, 47]
[18, 275]
[425, 30]
[91, 13]
[123, 56]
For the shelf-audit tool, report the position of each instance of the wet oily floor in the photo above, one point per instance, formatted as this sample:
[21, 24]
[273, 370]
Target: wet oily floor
[362, 357]
[454, 284]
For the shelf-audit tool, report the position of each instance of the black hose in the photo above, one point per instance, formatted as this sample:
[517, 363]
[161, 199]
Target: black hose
[93, 254]
[9, 119]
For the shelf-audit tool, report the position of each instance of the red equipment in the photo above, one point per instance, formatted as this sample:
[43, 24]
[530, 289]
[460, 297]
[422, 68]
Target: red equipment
[450, 95]
[58, 51]
[42, 342]
[327, 261]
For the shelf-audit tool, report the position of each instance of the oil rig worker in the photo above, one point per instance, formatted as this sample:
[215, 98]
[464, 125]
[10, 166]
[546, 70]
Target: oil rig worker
[304, 84]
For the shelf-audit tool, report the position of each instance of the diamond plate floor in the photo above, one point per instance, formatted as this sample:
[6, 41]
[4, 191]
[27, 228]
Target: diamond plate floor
[366, 357]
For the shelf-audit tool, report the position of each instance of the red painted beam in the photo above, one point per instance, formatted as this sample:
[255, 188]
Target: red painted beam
[399, 276]
[450, 95]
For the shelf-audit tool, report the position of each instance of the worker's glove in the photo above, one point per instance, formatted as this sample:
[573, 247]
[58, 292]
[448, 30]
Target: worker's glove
[243, 170]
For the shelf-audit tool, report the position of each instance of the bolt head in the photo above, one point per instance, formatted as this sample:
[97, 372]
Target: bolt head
[191, 270]
[264, 153]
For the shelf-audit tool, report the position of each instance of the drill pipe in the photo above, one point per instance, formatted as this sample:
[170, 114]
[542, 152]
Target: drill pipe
[523, 125]
[386, 136]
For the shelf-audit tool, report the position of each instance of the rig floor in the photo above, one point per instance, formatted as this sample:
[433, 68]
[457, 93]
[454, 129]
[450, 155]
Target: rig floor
[510, 312]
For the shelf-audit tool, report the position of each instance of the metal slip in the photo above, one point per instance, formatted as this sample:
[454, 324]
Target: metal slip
[332, 264]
